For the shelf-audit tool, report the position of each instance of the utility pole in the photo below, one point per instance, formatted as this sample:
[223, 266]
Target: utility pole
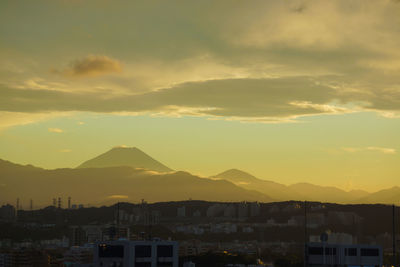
[394, 235]
[17, 207]
[117, 235]
[305, 234]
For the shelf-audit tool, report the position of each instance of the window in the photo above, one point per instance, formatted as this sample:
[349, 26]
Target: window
[370, 252]
[164, 251]
[350, 252]
[315, 251]
[142, 251]
[111, 251]
[330, 251]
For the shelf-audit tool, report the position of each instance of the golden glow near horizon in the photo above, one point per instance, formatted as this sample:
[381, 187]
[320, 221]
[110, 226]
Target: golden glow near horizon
[290, 91]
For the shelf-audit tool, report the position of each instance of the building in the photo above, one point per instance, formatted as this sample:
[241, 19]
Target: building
[336, 238]
[80, 235]
[6, 260]
[7, 213]
[154, 253]
[339, 255]
[181, 211]
[78, 255]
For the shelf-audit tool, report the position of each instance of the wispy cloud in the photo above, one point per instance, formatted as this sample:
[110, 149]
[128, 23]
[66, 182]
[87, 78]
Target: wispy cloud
[118, 197]
[55, 130]
[11, 119]
[383, 150]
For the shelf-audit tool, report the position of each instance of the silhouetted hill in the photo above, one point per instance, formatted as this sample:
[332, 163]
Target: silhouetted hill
[386, 196]
[125, 156]
[99, 185]
[275, 190]
[299, 191]
[238, 176]
[332, 194]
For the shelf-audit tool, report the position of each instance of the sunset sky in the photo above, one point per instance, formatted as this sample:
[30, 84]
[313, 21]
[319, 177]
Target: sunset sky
[290, 91]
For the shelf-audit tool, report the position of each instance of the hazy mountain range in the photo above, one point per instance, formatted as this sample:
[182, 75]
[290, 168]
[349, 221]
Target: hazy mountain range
[128, 174]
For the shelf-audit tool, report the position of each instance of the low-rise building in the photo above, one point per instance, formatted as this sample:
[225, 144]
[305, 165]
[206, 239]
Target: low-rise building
[136, 253]
[324, 254]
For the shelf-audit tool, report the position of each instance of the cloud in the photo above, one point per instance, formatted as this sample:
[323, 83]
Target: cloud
[257, 100]
[55, 130]
[383, 150]
[92, 65]
[272, 61]
[248, 98]
[118, 197]
[11, 119]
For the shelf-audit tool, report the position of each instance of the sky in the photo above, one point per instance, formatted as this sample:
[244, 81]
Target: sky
[290, 91]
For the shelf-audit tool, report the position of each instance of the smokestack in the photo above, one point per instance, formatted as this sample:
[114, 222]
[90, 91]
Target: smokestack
[59, 202]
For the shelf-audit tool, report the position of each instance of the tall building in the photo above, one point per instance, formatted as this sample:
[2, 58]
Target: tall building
[154, 253]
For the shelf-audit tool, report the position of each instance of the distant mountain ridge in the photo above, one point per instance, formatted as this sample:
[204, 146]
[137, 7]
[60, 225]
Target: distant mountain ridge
[275, 190]
[129, 173]
[125, 156]
[97, 185]
[299, 191]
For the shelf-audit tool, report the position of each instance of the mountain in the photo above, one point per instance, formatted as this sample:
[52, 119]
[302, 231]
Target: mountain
[237, 176]
[313, 192]
[97, 185]
[125, 156]
[275, 190]
[385, 196]
[299, 191]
